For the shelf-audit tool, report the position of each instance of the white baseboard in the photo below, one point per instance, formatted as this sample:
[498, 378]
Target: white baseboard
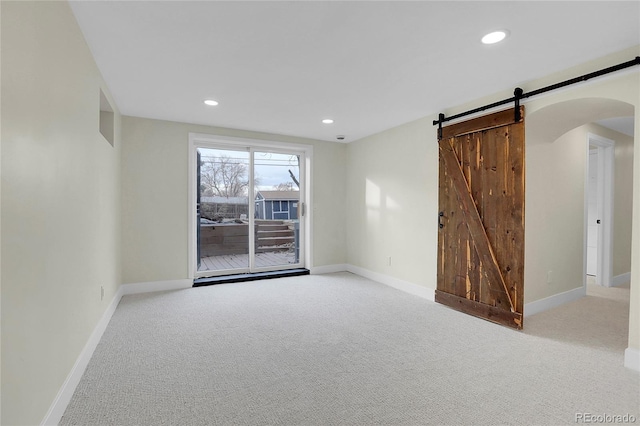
[328, 269]
[59, 405]
[632, 358]
[149, 287]
[554, 301]
[406, 286]
[65, 393]
[621, 279]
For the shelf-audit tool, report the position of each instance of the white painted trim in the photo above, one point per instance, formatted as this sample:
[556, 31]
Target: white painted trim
[606, 163]
[192, 197]
[235, 142]
[585, 225]
[398, 284]
[621, 279]
[554, 301]
[59, 405]
[252, 228]
[591, 269]
[226, 142]
[328, 269]
[151, 286]
[632, 358]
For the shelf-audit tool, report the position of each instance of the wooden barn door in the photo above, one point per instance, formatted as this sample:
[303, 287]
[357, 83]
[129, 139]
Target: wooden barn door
[481, 231]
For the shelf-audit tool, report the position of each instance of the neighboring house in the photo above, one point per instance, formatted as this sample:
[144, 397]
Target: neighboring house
[281, 205]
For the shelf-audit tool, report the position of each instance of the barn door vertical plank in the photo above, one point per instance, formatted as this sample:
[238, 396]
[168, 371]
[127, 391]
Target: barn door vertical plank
[503, 202]
[487, 147]
[475, 185]
[443, 192]
[446, 234]
[466, 245]
[459, 234]
[516, 237]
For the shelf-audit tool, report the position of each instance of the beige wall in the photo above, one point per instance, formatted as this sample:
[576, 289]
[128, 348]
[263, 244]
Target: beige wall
[155, 206]
[392, 203]
[634, 308]
[555, 200]
[60, 204]
[554, 215]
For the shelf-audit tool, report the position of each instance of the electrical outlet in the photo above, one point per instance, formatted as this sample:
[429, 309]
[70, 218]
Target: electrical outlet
[101, 293]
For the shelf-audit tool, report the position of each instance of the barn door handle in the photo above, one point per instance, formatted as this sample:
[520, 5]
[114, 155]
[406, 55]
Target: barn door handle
[440, 224]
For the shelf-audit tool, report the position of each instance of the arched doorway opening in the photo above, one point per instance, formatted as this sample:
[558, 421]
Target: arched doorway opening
[557, 215]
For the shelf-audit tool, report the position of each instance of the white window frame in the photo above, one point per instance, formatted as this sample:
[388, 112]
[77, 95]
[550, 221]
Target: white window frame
[203, 140]
[274, 211]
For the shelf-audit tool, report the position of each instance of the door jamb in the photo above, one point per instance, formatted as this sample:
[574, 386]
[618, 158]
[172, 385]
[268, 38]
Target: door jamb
[606, 159]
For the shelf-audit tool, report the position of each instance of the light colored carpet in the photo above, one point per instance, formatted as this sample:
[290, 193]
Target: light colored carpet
[339, 349]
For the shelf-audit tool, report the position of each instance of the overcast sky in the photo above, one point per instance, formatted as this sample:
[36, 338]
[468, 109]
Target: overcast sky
[271, 169]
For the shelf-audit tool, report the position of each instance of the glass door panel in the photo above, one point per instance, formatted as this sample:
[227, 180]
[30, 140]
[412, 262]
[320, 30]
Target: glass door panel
[223, 210]
[277, 205]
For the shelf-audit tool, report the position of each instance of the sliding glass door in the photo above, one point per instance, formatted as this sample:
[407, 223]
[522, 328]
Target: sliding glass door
[223, 209]
[249, 209]
[277, 208]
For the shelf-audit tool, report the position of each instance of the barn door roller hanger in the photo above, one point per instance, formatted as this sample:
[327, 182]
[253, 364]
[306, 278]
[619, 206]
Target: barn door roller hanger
[519, 94]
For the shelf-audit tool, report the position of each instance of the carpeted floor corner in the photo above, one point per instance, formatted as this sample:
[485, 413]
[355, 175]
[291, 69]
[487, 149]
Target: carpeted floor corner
[339, 349]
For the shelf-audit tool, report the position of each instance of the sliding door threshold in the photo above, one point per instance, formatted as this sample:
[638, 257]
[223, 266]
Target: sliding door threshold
[238, 278]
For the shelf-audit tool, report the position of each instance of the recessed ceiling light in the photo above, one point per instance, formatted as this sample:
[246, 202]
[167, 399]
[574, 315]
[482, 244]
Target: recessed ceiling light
[327, 121]
[494, 37]
[211, 102]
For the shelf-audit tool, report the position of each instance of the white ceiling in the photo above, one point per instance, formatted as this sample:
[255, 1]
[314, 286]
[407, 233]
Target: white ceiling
[281, 67]
[619, 124]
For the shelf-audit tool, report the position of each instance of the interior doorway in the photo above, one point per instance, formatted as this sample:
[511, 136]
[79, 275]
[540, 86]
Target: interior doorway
[547, 124]
[593, 207]
[599, 209]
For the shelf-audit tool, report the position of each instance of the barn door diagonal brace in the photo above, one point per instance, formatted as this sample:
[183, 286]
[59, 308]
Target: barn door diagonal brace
[473, 220]
[519, 94]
